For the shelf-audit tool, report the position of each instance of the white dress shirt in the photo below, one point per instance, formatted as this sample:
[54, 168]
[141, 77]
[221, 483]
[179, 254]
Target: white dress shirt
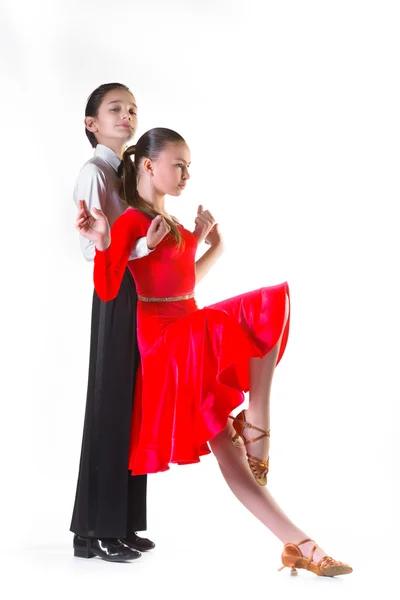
[98, 184]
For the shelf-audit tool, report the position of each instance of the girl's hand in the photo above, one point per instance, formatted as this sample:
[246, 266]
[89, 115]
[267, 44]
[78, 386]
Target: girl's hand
[95, 229]
[214, 238]
[204, 221]
[157, 231]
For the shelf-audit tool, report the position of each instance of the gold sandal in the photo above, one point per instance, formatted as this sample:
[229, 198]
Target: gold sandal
[326, 567]
[258, 467]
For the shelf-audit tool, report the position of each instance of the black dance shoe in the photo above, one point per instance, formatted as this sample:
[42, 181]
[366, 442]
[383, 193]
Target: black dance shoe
[138, 543]
[110, 549]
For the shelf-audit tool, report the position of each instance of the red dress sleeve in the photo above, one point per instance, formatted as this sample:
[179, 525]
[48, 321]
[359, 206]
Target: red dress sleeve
[110, 264]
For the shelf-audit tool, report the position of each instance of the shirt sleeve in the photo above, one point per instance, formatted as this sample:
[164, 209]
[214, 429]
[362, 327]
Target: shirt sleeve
[140, 249]
[91, 186]
[110, 264]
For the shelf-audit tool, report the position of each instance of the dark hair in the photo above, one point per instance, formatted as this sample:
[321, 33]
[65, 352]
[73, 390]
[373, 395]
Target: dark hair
[94, 101]
[149, 145]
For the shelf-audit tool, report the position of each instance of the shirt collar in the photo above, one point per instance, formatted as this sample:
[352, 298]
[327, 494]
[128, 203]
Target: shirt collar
[108, 155]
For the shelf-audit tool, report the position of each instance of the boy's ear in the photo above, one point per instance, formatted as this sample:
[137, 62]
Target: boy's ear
[90, 124]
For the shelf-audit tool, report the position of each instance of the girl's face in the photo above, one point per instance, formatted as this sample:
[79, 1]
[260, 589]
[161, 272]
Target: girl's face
[116, 118]
[170, 171]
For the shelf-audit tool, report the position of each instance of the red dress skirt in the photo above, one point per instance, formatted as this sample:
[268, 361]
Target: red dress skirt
[194, 362]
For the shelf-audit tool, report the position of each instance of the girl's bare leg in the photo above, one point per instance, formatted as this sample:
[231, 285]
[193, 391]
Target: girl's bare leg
[233, 463]
[258, 500]
[258, 413]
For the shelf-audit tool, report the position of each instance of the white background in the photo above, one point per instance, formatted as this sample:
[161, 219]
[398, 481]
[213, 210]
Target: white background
[291, 110]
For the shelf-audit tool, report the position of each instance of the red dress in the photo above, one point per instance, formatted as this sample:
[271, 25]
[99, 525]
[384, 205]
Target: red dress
[194, 362]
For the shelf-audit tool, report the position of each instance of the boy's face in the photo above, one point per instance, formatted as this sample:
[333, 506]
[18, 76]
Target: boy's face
[116, 118]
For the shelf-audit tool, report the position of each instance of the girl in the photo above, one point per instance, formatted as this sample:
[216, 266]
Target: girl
[204, 358]
[110, 505]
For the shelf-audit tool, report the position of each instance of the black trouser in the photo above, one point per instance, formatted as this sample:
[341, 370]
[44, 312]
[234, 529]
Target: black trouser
[109, 500]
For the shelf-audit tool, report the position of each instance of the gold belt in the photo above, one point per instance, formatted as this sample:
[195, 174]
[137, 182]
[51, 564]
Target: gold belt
[171, 299]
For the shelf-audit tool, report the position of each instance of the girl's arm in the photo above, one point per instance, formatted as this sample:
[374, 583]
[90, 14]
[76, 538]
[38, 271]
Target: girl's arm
[110, 263]
[209, 258]
[113, 248]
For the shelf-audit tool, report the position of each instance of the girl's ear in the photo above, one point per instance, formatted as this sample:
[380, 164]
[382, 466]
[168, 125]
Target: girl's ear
[148, 166]
[90, 124]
